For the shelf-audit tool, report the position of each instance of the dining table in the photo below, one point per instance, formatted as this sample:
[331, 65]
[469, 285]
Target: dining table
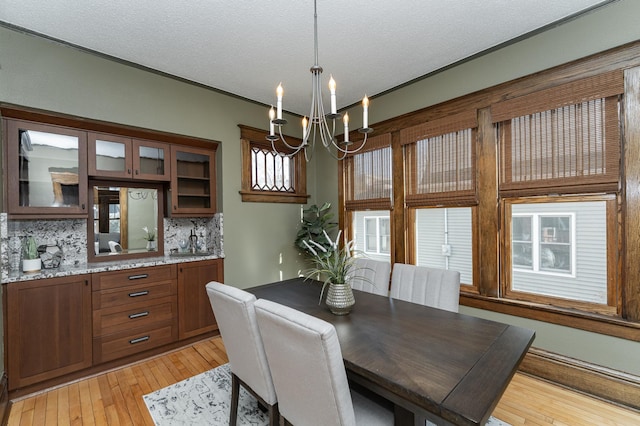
[442, 366]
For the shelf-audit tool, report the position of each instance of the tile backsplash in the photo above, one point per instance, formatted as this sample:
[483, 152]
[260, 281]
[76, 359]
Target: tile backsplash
[71, 235]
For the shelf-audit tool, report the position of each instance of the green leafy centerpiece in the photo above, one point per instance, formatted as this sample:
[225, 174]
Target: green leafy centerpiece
[336, 266]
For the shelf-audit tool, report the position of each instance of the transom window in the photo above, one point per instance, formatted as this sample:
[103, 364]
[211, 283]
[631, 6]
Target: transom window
[271, 171]
[269, 176]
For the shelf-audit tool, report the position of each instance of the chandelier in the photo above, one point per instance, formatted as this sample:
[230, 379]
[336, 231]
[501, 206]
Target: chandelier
[318, 125]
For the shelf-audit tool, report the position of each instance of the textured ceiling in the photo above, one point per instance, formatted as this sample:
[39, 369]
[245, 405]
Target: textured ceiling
[246, 47]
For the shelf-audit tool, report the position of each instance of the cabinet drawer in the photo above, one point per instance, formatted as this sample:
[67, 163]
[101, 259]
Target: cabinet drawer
[118, 345]
[133, 293]
[115, 279]
[134, 315]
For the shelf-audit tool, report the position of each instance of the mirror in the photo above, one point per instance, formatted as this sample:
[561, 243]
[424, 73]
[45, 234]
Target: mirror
[127, 220]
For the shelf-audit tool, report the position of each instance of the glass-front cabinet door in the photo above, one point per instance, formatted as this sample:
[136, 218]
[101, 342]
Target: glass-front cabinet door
[110, 156]
[151, 160]
[47, 169]
[113, 156]
[193, 182]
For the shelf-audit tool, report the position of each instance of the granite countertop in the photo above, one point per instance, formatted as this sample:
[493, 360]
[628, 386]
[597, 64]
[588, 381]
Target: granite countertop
[120, 264]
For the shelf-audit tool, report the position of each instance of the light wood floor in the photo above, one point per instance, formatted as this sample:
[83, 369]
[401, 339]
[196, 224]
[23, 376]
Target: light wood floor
[115, 398]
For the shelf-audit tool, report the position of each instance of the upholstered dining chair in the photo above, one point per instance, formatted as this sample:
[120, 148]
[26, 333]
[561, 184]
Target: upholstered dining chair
[438, 288]
[236, 319]
[371, 276]
[308, 371]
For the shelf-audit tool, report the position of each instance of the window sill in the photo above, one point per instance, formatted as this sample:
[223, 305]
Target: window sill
[596, 323]
[273, 197]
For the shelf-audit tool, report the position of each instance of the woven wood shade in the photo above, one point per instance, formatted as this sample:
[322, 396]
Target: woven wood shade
[368, 177]
[571, 149]
[584, 90]
[440, 161]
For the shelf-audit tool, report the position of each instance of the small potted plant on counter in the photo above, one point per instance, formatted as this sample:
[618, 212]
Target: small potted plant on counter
[31, 261]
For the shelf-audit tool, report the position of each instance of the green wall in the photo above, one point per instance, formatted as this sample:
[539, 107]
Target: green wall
[258, 237]
[41, 74]
[608, 27]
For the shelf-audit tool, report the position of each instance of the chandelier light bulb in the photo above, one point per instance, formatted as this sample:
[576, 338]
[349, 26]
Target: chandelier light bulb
[365, 112]
[332, 90]
[279, 93]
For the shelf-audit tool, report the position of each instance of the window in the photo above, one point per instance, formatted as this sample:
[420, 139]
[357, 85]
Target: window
[271, 171]
[377, 235]
[444, 240]
[560, 251]
[440, 182]
[544, 243]
[269, 176]
[367, 182]
[554, 144]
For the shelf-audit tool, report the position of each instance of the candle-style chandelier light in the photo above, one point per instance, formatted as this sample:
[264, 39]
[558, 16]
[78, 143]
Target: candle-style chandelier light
[318, 124]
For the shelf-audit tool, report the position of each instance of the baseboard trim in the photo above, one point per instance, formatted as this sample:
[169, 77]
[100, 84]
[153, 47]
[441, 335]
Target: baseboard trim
[611, 385]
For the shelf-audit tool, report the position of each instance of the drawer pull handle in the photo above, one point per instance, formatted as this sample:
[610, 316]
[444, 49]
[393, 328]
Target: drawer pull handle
[139, 293]
[138, 277]
[139, 340]
[139, 315]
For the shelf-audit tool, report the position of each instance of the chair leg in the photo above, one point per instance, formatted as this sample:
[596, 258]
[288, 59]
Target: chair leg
[235, 394]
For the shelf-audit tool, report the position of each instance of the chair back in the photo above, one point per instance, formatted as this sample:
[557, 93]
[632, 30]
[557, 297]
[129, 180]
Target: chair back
[306, 364]
[438, 288]
[238, 326]
[371, 276]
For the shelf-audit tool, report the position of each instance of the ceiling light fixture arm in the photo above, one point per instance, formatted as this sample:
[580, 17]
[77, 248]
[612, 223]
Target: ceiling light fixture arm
[318, 122]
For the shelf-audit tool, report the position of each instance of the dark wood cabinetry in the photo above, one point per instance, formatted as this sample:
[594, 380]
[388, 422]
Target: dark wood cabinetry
[193, 181]
[67, 326]
[194, 309]
[133, 310]
[112, 156]
[47, 170]
[48, 329]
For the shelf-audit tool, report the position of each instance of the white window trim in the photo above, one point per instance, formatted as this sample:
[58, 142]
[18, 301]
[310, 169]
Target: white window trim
[535, 243]
[364, 224]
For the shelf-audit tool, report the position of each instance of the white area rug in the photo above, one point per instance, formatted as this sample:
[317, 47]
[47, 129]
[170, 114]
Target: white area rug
[205, 399]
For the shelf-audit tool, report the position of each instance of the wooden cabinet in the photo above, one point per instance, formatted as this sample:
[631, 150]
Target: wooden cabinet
[133, 310]
[47, 170]
[195, 315]
[193, 181]
[48, 328]
[112, 156]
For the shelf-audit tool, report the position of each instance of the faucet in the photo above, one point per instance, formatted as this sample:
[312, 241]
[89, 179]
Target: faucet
[193, 242]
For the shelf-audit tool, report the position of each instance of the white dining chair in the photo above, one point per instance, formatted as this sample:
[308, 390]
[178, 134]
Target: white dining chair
[308, 371]
[371, 276]
[236, 318]
[438, 288]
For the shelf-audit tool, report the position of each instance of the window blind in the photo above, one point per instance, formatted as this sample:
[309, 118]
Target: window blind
[440, 160]
[368, 176]
[568, 143]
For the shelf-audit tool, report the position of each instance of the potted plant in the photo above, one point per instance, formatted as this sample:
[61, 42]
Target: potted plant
[315, 222]
[150, 236]
[336, 266]
[31, 259]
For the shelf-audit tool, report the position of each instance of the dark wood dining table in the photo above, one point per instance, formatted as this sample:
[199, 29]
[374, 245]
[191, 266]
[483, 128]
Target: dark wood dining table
[431, 364]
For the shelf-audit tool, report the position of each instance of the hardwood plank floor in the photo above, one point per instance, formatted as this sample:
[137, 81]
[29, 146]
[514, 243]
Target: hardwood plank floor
[115, 397]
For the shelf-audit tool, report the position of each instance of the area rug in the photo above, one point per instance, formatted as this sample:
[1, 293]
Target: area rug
[205, 399]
